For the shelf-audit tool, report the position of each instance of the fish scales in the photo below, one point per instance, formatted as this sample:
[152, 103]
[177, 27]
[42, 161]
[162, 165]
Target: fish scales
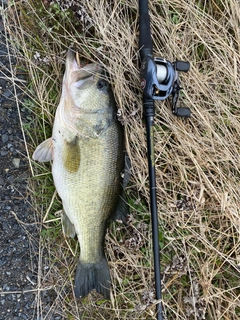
[90, 195]
[86, 149]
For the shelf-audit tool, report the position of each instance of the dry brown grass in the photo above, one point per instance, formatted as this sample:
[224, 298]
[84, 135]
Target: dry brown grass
[197, 161]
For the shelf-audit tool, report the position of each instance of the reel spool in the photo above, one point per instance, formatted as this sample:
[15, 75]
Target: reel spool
[161, 73]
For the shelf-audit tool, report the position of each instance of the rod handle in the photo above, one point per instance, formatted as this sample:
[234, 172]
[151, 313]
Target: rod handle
[145, 39]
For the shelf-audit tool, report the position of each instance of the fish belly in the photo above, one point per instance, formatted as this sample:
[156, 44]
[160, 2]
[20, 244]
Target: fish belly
[87, 176]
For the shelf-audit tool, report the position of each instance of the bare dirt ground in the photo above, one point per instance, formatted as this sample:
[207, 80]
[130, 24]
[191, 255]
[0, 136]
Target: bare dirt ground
[18, 267]
[19, 234]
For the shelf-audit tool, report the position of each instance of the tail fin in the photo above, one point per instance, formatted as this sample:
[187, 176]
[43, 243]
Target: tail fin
[91, 276]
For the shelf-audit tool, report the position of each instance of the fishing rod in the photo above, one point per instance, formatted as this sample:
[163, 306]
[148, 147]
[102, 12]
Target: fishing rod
[158, 80]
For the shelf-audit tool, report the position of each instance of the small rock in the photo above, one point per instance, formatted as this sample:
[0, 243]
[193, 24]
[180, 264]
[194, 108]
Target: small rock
[4, 153]
[4, 138]
[7, 93]
[9, 145]
[16, 162]
[7, 104]
[6, 287]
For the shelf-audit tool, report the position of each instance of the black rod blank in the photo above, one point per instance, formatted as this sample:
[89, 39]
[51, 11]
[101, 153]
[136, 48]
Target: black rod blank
[145, 46]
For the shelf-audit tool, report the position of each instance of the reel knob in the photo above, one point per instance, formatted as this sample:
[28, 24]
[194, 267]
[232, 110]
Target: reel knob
[183, 112]
[182, 66]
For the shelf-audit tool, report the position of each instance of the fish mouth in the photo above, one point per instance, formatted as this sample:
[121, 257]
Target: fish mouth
[73, 64]
[78, 59]
[73, 57]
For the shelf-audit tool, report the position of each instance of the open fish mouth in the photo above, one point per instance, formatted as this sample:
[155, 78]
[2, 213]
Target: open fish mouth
[74, 65]
[80, 73]
[78, 59]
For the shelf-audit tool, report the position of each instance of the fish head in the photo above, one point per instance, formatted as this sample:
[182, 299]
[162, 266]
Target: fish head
[86, 91]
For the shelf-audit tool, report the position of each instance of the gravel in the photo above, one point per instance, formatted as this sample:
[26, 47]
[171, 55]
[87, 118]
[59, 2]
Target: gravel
[19, 235]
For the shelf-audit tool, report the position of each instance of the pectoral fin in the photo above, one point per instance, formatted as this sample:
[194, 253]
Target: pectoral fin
[44, 151]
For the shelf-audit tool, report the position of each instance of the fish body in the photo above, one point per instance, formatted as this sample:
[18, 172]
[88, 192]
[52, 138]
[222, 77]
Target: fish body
[86, 149]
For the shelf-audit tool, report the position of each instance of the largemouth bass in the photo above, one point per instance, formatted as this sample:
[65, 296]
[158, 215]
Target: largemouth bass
[86, 149]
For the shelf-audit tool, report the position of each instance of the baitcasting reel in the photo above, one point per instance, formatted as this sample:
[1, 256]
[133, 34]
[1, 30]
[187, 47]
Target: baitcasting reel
[159, 80]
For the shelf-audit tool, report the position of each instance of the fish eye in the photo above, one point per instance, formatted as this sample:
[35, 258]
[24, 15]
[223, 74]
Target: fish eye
[101, 84]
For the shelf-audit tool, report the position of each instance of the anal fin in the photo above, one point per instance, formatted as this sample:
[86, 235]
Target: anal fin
[68, 227]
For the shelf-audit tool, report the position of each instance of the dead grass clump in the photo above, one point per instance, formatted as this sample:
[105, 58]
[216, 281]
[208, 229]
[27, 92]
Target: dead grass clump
[197, 161]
